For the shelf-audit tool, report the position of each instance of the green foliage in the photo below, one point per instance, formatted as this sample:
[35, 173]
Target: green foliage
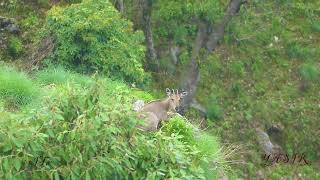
[238, 68]
[208, 146]
[309, 72]
[263, 67]
[92, 36]
[72, 1]
[293, 172]
[179, 126]
[11, 5]
[138, 94]
[297, 51]
[211, 67]
[90, 133]
[15, 47]
[264, 92]
[236, 88]
[215, 112]
[16, 89]
[61, 76]
[316, 26]
[31, 21]
[43, 3]
[175, 16]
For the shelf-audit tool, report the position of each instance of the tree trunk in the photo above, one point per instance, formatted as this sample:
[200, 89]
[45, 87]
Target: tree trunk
[208, 41]
[119, 6]
[146, 7]
[192, 76]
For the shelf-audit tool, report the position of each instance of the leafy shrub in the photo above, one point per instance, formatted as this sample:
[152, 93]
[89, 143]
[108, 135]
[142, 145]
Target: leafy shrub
[207, 145]
[15, 47]
[16, 89]
[215, 112]
[93, 36]
[309, 72]
[30, 21]
[177, 125]
[89, 133]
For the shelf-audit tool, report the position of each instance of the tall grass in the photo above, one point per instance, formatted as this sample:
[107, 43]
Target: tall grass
[62, 76]
[16, 89]
[215, 159]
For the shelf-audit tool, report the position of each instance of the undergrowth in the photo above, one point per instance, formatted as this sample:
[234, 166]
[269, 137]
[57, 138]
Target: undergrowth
[77, 131]
[16, 89]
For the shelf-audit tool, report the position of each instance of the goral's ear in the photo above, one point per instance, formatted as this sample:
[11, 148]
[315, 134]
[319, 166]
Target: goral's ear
[168, 91]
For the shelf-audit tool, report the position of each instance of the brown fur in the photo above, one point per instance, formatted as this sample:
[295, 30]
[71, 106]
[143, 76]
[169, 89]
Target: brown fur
[156, 111]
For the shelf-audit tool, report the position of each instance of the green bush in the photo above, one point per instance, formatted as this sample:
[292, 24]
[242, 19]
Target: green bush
[215, 112]
[16, 89]
[31, 21]
[309, 72]
[207, 145]
[93, 36]
[90, 134]
[179, 126]
[15, 47]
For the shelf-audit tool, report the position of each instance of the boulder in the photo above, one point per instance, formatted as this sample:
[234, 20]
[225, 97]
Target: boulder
[9, 24]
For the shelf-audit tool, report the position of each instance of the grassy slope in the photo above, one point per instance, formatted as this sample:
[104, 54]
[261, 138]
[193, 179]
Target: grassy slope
[67, 111]
[248, 81]
[257, 78]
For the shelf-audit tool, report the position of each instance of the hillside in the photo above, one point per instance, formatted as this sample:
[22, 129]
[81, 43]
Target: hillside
[71, 70]
[62, 124]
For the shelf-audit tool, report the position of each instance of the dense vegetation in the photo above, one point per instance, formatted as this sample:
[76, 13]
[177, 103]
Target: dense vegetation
[94, 37]
[69, 115]
[88, 130]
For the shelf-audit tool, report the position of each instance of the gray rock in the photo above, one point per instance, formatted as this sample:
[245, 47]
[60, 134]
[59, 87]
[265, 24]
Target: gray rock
[9, 24]
[12, 28]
